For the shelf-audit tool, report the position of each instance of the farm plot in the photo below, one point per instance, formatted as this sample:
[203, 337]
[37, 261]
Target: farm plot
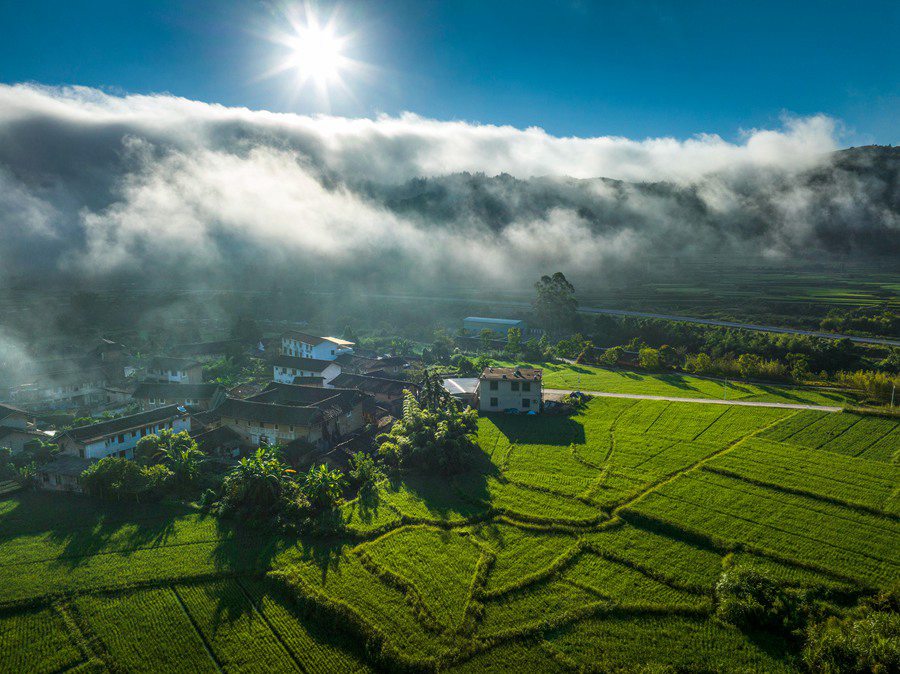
[866, 484]
[673, 561]
[684, 421]
[316, 648]
[784, 430]
[37, 641]
[519, 552]
[885, 449]
[146, 631]
[825, 430]
[237, 635]
[647, 642]
[861, 435]
[739, 422]
[438, 564]
[338, 576]
[245, 552]
[854, 545]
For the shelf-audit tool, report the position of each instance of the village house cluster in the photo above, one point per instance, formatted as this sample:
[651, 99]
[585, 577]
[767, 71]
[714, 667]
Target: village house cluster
[325, 399]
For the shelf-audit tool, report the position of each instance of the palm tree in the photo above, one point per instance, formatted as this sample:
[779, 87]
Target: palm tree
[180, 453]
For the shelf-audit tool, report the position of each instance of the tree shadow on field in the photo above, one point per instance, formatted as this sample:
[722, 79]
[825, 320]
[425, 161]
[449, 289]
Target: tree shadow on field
[78, 527]
[453, 497]
[539, 429]
[678, 381]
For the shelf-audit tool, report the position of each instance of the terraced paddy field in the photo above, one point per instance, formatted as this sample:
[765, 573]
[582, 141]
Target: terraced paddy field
[585, 543]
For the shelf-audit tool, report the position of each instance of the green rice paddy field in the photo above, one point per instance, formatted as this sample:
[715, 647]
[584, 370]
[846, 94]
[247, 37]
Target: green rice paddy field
[584, 543]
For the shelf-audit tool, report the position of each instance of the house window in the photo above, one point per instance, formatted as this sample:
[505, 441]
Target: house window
[122, 438]
[133, 434]
[526, 385]
[494, 402]
[495, 385]
[526, 402]
[514, 386]
[276, 427]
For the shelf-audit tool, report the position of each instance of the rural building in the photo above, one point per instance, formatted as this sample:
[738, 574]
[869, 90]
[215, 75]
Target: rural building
[285, 413]
[301, 345]
[151, 394]
[510, 388]
[17, 429]
[473, 325]
[63, 473]
[287, 368]
[80, 388]
[118, 437]
[69, 382]
[463, 389]
[356, 364]
[175, 370]
[387, 392]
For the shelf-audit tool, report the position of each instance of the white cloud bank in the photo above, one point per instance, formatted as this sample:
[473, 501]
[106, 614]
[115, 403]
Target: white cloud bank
[100, 183]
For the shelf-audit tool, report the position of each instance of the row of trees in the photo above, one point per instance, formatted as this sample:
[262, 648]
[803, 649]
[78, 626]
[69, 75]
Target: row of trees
[264, 488]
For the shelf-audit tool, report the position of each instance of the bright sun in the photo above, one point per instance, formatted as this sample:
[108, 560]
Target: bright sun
[314, 52]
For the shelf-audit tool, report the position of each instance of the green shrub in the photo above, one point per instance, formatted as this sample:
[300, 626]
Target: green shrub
[859, 643]
[116, 478]
[749, 600]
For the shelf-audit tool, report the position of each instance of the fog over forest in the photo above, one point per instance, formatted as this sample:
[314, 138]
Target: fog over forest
[94, 185]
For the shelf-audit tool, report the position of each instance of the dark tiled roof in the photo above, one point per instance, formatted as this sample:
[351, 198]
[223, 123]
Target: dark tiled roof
[66, 465]
[174, 391]
[512, 373]
[370, 384]
[269, 413]
[174, 364]
[113, 426]
[308, 364]
[293, 394]
[217, 437]
[351, 361]
[303, 337]
[9, 410]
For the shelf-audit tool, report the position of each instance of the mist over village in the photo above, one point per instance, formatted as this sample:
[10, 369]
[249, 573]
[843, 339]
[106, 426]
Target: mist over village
[449, 337]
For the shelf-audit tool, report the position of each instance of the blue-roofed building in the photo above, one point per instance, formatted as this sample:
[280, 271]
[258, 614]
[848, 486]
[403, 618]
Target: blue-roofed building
[473, 325]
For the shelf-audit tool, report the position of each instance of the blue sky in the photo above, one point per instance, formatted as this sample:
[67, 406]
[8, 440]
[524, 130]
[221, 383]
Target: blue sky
[635, 69]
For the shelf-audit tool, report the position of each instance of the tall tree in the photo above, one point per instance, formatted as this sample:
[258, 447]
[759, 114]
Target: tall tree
[555, 303]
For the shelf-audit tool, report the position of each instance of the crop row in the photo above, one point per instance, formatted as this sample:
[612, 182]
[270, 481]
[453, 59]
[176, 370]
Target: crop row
[852, 543]
[829, 476]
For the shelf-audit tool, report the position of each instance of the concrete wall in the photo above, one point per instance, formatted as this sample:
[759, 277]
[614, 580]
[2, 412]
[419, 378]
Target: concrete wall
[507, 398]
[286, 375]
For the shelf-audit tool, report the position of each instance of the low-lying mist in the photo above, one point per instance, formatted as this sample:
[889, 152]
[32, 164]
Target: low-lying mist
[177, 193]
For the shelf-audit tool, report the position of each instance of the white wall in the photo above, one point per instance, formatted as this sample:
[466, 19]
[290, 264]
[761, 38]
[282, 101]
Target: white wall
[286, 375]
[110, 446]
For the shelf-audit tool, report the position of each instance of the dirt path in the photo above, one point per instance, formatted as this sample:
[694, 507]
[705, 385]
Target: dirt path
[707, 401]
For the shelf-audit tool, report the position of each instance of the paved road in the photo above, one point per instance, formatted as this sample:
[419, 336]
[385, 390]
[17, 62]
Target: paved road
[646, 314]
[708, 401]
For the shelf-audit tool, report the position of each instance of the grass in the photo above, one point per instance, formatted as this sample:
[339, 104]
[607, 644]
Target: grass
[592, 542]
[593, 378]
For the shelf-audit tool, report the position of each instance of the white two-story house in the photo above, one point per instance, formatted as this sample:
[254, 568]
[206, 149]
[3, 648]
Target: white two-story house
[286, 369]
[510, 388]
[301, 345]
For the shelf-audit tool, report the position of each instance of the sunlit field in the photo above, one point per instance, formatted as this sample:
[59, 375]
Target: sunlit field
[589, 541]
